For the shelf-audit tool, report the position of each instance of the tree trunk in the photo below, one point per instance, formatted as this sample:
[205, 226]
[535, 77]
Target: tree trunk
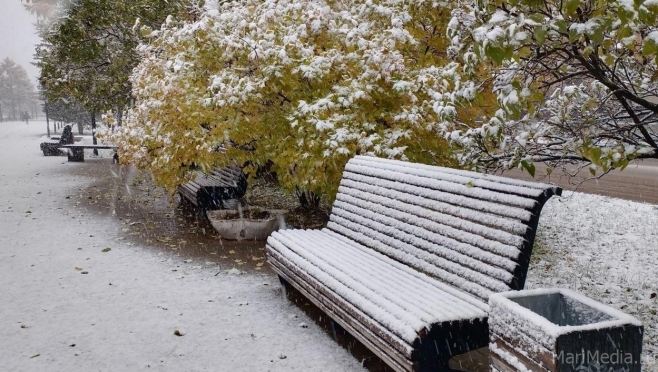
[307, 199]
[45, 106]
[93, 131]
[80, 128]
[119, 116]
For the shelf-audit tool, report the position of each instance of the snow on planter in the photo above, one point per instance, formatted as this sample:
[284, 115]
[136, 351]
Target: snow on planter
[561, 330]
[246, 227]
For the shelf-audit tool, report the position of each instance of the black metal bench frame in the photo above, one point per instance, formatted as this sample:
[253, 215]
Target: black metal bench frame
[210, 191]
[436, 343]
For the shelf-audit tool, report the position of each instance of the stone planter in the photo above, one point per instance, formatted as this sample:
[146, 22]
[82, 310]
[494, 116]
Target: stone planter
[245, 228]
[561, 330]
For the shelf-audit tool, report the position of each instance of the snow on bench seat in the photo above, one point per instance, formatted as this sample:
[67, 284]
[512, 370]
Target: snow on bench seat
[411, 255]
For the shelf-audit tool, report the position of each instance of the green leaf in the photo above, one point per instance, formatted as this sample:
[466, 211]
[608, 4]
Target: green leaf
[540, 34]
[529, 166]
[561, 25]
[570, 6]
[587, 51]
[595, 156]
[650, 47]
[597, 36]
[537, 96]
[624, 163]
[497, 54]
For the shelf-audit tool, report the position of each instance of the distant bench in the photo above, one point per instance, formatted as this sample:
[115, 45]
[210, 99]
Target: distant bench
[411, 254]
[52, 148]
[76, 153]
[211, 191]
[58, 138]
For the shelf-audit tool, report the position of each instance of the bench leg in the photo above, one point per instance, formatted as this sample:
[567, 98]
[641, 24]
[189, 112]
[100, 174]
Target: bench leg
[76, 155]
[336, 329]
[285, 286]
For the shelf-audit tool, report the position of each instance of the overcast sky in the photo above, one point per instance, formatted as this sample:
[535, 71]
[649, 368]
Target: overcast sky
[18, 36]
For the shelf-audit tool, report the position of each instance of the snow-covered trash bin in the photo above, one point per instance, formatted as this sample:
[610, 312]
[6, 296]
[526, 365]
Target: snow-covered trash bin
[561, 330]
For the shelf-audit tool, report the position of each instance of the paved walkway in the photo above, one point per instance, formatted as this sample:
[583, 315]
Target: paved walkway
[638, 182]
[69, 304]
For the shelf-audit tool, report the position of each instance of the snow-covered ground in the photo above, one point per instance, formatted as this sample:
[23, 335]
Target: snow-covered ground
[606, 248]
[66, 305]
[122, 314]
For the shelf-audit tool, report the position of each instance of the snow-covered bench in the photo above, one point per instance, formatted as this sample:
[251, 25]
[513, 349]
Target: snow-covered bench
[211, 191]
[411, 254]
[76, 153]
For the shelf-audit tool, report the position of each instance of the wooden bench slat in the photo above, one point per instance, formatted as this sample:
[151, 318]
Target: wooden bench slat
[455, 227]
[419, 245]
[212, 180]
[351, 312]
[459, 189]
[405, 313]
[190, 187]
[415, 296]
[426, 198]
[440, 230]
[230, 172]
[98, 147]
[397, 361]
[473, 301]
[494, 181]
[208, 191]
[419, 261]
[458, 201]
[224, 178]
[396, 321]
[445, 246]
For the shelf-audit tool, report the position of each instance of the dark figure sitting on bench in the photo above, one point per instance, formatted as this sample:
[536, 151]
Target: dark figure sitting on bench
[67, 136]
[52, 148]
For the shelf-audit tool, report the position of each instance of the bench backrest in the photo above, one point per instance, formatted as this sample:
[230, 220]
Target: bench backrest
[470, 230]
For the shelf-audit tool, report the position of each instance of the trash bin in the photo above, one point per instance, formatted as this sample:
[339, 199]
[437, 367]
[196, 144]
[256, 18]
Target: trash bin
[561, 330]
